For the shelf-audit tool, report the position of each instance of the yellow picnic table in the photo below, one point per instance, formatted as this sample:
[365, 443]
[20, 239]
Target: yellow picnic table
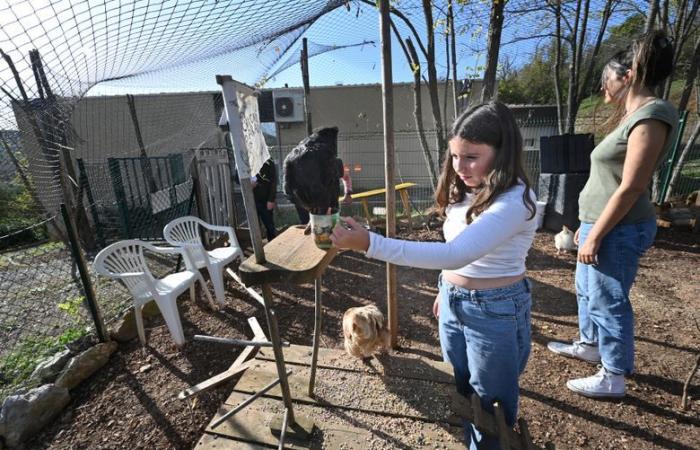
[402, 189]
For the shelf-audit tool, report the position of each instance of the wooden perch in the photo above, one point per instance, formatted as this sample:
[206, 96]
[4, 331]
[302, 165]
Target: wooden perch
[494, 424]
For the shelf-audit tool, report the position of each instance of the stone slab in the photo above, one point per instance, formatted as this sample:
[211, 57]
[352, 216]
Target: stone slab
[335, 429]
[395, 364]
[395, 396]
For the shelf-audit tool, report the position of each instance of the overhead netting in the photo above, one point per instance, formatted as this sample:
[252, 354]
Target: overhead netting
[67, 66]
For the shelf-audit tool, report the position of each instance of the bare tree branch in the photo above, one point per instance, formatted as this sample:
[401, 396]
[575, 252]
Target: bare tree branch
[408, 23]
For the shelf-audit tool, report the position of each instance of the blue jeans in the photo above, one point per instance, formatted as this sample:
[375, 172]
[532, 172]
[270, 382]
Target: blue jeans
[485, 335]
[605, 314]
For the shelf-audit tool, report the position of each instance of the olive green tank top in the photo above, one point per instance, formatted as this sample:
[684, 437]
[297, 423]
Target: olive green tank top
[607, 161]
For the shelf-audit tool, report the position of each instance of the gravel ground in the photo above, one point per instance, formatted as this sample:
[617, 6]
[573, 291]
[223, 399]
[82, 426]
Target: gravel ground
[133, 399]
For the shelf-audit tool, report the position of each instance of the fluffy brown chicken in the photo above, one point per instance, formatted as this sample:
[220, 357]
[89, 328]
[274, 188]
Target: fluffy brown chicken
[365, 331]
[312, 170]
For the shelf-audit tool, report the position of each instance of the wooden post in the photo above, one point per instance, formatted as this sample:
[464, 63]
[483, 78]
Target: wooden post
[236, 133]
[145, 163]
[85, 184]
[305, 78]
[502, 428]
[388, 121]
[95, 312]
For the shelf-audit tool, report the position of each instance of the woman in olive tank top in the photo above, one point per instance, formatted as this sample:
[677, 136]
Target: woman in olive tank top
[618, 221]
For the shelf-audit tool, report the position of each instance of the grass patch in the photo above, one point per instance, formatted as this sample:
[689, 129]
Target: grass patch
[17, 365]
[19, 257]
[691, 169]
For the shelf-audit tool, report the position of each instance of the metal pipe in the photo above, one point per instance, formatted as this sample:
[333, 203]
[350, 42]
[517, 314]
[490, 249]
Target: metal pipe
[248, 401]
[317, 334]
[277, 350]
[79, 259]
[283, 431]
[233, 341]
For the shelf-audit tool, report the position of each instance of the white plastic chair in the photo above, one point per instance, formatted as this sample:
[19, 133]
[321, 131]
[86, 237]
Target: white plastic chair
[184, 232]
[125, 261]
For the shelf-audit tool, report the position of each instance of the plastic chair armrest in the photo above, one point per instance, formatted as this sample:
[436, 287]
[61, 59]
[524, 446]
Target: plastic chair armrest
[175, 250]
[224, 228]
[131, 274]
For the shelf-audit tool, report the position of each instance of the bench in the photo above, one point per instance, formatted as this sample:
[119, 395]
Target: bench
[401, 189]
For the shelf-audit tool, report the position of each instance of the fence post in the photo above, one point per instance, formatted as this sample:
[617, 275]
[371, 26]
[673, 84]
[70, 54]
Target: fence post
[85, 183]
[84, 275]
[115, 173]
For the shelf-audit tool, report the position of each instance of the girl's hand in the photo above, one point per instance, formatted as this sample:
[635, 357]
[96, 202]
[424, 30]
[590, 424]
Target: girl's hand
[576, 236]
[436, 307]
[588, 253]
[350, 234]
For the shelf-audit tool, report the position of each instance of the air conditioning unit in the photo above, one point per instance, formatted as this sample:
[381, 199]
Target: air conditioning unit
[288, 104]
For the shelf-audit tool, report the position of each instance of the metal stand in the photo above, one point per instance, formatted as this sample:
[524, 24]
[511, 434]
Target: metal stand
[228, 88]
[317, 334]
[277, 350]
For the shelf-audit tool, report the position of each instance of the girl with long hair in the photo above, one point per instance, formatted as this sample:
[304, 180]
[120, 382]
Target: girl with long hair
[618, 220]
[484, 300]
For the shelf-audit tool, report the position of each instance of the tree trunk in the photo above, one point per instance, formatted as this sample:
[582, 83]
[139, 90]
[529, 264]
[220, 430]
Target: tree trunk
[664, 15]
[495, 28]
[690, 77]
[675, 175]
[585, 82]
[651, 16]
[573, 76]
[677, 33]
[418, 113]
[432, 78]
[557, 70]
[447, 73]
[453, 53]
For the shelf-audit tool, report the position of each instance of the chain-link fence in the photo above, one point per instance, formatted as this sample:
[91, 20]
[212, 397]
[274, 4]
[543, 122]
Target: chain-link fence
[43, 305]
[41, 308]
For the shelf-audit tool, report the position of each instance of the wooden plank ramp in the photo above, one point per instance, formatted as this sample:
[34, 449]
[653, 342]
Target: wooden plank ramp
[397, 400]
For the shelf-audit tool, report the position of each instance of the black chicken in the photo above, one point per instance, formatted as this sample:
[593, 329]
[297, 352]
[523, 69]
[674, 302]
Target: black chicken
[312, 171]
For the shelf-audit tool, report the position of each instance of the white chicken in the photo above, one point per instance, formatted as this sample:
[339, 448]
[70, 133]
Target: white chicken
[564, 240]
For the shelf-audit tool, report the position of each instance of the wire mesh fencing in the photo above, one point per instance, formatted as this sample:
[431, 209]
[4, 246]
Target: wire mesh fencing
[41, 306]
[43, 301]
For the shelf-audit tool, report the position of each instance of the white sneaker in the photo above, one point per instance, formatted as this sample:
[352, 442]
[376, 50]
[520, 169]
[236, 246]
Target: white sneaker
[601, 385]
[578, 350]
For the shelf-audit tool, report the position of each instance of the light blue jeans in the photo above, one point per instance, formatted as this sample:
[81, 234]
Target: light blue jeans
[605, 314]
[485, 335]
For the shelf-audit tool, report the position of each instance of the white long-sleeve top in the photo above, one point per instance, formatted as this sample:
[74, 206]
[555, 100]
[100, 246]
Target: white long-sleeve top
[494, 245]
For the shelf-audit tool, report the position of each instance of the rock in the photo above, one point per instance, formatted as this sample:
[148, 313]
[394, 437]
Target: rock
[85, 364]
[24, 415]
[150, 309]
[47, 369]
[125, 329]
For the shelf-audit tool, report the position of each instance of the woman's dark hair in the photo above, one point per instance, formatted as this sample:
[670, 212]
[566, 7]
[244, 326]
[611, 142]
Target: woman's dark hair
[492, 124]
[650, 57]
